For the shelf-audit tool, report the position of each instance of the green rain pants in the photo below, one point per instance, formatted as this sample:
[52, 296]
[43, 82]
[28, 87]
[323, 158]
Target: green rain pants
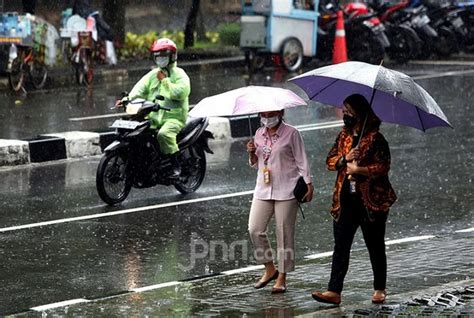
[166, 136]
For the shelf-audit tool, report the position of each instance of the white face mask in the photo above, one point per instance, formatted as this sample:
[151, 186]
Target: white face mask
[270, 122]
[162, 61]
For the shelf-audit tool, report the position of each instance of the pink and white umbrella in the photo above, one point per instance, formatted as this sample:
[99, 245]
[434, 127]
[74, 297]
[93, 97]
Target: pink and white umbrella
[245, 101]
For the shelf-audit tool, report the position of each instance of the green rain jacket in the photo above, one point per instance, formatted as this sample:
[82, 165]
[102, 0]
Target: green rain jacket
[175, 88]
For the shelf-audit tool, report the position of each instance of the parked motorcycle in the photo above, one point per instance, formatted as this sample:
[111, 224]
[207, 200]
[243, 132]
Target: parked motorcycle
[365, 35]
[446, 19]
[134, 159]
[433, 40]
[405, 42]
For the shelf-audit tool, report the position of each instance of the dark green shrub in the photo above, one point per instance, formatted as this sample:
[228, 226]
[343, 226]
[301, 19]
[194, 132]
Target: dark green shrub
[229, 34]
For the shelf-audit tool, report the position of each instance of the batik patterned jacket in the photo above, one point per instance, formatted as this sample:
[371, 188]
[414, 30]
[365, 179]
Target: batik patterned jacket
[375, 189]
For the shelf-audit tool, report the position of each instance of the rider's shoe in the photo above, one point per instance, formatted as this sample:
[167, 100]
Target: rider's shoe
[175, 166]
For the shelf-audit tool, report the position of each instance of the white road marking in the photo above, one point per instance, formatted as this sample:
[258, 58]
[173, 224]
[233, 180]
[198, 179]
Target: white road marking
[453, 73]
[465, 230]
[451, 62]
[242, 270]
[157, 286]
[320, 124]
[319, 255]
[409, 239]
[119, 212]
[60, 304]
[391, 242]
[321, 127]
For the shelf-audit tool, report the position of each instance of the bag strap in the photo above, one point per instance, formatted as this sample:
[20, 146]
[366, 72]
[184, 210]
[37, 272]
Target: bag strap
[301, 209]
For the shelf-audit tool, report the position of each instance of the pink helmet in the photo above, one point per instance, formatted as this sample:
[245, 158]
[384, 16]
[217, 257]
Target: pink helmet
[165, 47]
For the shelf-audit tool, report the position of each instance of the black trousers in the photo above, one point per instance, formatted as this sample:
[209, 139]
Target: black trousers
[354, 214]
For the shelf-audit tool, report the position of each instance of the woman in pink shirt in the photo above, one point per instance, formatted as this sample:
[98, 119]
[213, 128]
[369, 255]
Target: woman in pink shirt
[277, 151]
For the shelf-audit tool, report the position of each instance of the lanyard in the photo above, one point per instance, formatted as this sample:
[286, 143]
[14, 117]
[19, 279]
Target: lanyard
[267, 150]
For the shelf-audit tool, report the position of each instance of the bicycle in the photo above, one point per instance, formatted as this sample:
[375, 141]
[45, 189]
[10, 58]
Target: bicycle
[28, 63]
[82, 59]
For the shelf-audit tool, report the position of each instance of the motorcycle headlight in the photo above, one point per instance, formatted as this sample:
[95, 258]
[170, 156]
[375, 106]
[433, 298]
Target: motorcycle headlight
[132, 109]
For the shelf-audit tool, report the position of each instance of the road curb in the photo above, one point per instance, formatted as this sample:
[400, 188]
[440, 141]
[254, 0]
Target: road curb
[81, 144]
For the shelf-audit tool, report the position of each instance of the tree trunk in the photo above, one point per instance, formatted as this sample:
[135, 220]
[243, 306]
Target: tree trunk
[200, 28]
[191, 24]
[114, 15]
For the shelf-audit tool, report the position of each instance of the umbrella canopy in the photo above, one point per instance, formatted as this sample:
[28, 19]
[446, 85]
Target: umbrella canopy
[394, 96]
[245, 101]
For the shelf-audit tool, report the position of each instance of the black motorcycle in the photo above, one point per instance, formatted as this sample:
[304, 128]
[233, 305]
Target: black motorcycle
[134, 159]
[436, 38]
[447, 20]
[405, 42]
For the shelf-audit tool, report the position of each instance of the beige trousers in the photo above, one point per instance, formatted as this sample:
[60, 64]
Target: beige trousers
[285, 218]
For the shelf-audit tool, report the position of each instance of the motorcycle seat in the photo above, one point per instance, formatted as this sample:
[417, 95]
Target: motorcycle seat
[191, 123]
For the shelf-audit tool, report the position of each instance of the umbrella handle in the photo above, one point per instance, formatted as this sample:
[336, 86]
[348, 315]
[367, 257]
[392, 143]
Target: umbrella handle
[350, 177]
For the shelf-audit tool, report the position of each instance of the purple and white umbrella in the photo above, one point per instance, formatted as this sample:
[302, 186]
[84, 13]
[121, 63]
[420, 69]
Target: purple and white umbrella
[394, 96]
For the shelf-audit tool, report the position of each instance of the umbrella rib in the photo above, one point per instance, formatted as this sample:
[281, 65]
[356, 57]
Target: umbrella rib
[337, 79]
[421, 121]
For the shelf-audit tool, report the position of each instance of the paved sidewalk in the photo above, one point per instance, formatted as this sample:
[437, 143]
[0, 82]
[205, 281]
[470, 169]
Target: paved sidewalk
[416, 270]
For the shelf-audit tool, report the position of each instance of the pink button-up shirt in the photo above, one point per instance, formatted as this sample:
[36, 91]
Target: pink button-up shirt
[287, 162]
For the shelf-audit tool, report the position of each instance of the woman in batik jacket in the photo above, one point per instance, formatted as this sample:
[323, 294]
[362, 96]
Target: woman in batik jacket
[362, 196]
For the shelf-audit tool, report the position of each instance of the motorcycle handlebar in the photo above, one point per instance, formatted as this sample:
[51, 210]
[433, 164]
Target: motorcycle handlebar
[157, 107]
[124, 101]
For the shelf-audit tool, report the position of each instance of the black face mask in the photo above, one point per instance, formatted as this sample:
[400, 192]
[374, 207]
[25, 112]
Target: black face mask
[349, 121]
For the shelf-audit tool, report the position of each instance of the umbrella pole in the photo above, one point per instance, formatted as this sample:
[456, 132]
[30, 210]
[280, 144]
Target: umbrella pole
[365, 120]
[250, 126]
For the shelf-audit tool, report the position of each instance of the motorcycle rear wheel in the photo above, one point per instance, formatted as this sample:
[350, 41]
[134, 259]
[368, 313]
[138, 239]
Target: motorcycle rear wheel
[112, 180]
[193, 170]
[362, 45]
[447, 43]
[404, 44]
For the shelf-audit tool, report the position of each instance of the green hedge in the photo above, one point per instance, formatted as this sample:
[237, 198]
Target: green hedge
[138, 45]
[229, 34]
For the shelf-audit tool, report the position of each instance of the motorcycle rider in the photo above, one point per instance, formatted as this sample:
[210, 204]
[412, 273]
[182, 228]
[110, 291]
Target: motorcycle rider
[173, 84]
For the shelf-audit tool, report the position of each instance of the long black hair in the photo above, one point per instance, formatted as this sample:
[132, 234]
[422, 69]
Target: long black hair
[361, 107]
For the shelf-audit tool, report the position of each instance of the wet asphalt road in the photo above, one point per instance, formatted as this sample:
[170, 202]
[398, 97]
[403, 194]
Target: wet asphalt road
[431, 172]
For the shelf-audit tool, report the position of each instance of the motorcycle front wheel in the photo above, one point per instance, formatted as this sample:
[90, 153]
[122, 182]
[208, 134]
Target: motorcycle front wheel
[193, 170]
[112, 180]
